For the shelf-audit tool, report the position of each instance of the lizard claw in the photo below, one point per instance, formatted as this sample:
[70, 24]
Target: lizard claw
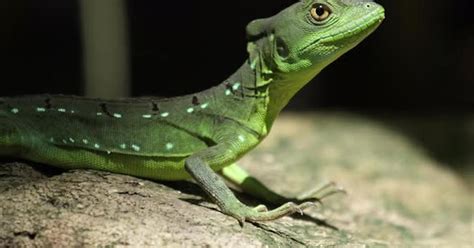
[299, 208]
[319, 193]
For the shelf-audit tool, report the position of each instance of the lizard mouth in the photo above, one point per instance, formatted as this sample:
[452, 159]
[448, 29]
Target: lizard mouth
[365, 25]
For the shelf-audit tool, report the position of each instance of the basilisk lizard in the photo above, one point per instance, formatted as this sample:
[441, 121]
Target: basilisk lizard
[197, 135]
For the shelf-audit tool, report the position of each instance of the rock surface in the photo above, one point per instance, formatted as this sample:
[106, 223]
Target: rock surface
[399, 195]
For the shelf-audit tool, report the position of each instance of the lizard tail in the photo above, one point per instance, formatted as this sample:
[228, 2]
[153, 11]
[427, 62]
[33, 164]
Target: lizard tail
[3, 107]
[8, 145]
[8, 129]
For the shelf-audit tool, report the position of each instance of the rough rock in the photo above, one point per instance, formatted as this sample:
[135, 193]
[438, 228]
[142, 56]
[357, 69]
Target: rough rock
[398, 195]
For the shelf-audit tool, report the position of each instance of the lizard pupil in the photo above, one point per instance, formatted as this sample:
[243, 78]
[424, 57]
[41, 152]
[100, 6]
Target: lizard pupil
[320, 13]
[320, 10]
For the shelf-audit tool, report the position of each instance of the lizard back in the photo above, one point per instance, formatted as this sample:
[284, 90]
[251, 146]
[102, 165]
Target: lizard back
[141, 126]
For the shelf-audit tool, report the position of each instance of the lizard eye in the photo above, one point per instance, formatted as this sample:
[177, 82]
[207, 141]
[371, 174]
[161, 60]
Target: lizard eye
[320, 12]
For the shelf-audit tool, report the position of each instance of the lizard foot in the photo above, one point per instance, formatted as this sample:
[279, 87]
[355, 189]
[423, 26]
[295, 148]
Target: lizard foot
[260, 213]
[319, 193]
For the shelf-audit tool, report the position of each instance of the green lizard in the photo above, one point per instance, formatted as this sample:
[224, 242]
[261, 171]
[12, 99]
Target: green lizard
[197, 135]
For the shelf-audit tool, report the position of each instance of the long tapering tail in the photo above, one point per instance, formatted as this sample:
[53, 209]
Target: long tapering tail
[8, 130]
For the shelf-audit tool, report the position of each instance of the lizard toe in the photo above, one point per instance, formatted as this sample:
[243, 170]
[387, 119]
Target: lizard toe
[261, 208]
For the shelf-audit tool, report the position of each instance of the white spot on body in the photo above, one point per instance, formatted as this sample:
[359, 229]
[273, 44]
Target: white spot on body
[169, 146]
[241, 138]
[147, 116]
[109, 152]
[51, 140]
[236, 86]
[123, 146]
[85, 141]
[72, 140]
[228, 92]
[165, 114]
[205, 105]
[61, 110]
[64, 141]
[118, 116]
[136, 148]
[40, 110]
[15, 110]
[99, 114]
[72, 111]
[97, 146]
[253, 65]
[190, 110]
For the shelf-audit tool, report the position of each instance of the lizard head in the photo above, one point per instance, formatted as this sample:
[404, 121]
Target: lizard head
[290, 48]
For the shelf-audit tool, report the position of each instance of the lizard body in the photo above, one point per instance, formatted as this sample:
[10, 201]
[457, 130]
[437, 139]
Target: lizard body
[161, 133]
[197, 134]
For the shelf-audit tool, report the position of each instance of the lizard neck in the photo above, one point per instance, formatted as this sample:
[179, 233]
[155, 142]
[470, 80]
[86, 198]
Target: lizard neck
[282, 89]
[266, 99]
[244, 76]
[239, 99]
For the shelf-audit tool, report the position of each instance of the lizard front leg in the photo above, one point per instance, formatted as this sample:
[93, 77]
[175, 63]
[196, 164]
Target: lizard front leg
[198, 167]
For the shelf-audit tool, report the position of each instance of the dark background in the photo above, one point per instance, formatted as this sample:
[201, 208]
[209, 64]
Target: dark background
[414, 75]
[421, 58]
